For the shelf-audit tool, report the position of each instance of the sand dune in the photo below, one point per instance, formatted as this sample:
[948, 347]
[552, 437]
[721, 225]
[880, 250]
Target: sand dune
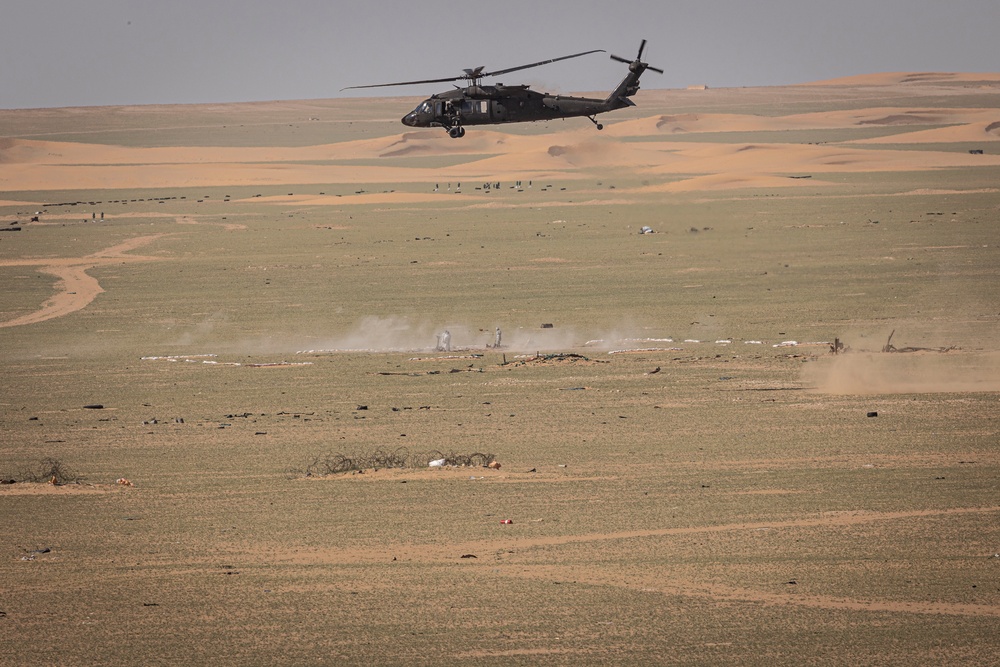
[648, 146]
[978, 131]
[558, 155]
[893, 78]
[734, 181]
[680, 124]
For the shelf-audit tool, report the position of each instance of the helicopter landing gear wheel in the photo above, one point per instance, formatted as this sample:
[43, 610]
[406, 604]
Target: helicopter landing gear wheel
[594, 121]
[456, 132]
[600, 127]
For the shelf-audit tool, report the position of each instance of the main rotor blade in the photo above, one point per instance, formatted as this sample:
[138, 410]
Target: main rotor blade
[541, 62]
[408, 83]
[477, 73]
[641, 47]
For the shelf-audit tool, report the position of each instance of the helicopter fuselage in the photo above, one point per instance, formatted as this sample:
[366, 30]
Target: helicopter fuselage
[489, 105]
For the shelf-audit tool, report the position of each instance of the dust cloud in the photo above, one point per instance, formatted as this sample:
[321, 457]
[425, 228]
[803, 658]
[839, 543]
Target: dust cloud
[401, 334]
[905, 373]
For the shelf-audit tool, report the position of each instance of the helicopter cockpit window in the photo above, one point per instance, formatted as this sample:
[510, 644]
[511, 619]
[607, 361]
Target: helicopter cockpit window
[425, 108]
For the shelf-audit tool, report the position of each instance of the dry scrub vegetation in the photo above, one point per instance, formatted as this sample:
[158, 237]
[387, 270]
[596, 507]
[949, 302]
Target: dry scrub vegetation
[48, 470]
[335, 463]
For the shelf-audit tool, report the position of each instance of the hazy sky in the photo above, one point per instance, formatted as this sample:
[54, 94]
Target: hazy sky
[103, 52]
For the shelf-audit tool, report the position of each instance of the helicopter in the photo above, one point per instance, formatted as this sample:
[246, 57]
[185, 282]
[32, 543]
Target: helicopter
[478, 104]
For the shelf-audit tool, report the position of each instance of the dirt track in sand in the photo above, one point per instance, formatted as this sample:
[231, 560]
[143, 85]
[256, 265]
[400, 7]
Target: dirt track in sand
[826, 520]
[724, 593]
[681, 587]
[76, 289]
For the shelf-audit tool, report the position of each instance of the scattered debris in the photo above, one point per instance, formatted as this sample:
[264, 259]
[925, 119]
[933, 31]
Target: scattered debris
[598, 341]
[889, 347]
[506, 522]
[873, 413]
[275, 364]
[209, 359]
[794, 343]
[468, 556]
[452, 356]
[337, 463]
[123, 482]
[93, 406]
[558, 357]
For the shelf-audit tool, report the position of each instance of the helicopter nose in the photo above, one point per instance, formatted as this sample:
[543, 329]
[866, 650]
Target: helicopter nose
[410, 119]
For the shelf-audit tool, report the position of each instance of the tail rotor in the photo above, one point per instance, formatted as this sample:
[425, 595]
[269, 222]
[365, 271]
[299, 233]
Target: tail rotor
[637, 65]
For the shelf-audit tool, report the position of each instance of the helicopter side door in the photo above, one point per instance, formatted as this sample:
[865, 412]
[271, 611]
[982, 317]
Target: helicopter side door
[498, 112]
[474, 112]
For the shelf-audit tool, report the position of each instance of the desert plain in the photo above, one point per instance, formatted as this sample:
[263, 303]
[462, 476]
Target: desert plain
[204, 306]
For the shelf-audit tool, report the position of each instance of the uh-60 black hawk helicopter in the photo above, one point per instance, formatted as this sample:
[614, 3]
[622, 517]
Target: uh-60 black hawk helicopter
[477, 104]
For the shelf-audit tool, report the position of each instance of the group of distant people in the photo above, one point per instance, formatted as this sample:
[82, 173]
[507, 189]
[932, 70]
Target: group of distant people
[444, 341]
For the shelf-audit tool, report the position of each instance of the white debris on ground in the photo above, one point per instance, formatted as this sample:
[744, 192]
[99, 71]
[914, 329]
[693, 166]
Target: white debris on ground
[179, 357]
[595, 342]
[207, 359]
[794, 343]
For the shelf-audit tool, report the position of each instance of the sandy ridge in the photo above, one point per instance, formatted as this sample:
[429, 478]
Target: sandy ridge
[75, 288]
[32, 164]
